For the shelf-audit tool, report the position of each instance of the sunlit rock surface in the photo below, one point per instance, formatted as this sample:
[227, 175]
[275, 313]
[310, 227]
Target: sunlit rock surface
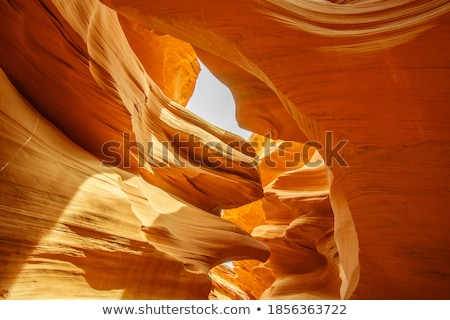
[111, 189]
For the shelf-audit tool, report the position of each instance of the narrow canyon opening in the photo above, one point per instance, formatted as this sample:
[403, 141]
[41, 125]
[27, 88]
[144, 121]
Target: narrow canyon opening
[214, 102]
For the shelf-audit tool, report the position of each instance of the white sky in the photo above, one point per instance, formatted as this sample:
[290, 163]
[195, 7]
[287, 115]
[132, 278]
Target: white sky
[213, 101]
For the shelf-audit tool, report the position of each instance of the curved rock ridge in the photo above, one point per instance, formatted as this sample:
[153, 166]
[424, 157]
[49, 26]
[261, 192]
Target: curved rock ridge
[359, 25]
[296, 221]
[68, 229]
[129, 121]
[111, 189]
[94, 234]
[101, 93]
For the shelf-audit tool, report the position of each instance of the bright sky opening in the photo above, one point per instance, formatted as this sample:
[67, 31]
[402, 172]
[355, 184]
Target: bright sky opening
[213, 101]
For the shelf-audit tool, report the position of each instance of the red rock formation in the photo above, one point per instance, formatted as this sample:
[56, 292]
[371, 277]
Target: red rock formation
[366, 81]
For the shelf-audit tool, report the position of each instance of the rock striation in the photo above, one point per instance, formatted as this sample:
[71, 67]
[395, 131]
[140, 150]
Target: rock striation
[111, 189]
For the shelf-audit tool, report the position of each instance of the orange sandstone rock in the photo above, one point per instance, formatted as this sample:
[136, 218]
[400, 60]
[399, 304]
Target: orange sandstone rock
[364, 82]
[375, 74]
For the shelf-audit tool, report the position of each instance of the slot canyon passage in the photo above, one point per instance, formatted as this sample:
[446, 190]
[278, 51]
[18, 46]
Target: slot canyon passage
[112, 189]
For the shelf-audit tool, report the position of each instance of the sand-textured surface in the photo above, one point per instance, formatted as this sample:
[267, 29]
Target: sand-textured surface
[111, 189]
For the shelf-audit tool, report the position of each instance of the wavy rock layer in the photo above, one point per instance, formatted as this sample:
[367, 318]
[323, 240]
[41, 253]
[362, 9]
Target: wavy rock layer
[111, 189]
